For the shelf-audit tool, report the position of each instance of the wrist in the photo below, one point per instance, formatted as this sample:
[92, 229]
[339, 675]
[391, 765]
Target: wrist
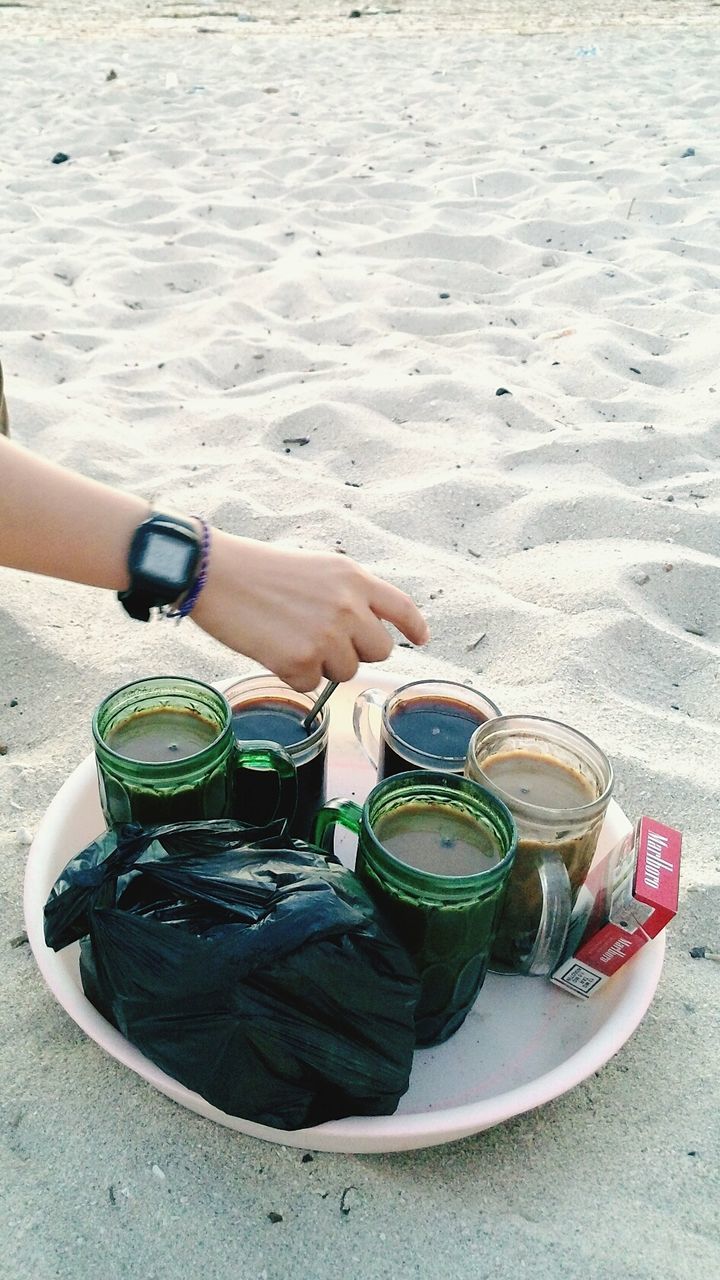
[187, 601]
[222, 555]
[231, 586]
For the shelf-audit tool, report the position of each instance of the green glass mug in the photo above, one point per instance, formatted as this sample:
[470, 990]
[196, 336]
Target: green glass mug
[165, 752]
[435, 852]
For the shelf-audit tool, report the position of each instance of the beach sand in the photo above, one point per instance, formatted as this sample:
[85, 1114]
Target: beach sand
[261, 237]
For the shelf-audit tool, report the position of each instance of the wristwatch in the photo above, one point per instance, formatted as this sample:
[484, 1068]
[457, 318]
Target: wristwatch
[162, 562]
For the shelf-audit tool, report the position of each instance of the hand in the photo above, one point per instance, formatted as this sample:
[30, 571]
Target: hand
[303, 615]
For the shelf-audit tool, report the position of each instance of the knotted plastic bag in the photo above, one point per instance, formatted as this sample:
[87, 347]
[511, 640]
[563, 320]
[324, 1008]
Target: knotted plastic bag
[250, 967]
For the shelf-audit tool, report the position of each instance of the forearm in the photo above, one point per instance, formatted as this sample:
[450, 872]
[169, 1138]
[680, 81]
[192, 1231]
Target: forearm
[302, 614]
[61, 524]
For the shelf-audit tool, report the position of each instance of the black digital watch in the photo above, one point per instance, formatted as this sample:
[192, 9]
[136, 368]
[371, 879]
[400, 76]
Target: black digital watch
[162, 563]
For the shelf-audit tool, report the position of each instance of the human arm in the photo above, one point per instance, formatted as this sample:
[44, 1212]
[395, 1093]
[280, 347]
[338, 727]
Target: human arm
[61, 524]
[300, 614]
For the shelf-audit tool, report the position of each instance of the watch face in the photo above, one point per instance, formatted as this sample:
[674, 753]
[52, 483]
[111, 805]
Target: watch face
[166, 559]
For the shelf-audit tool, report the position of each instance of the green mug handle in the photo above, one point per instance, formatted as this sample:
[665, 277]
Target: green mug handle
[269, 757]
[345, 812]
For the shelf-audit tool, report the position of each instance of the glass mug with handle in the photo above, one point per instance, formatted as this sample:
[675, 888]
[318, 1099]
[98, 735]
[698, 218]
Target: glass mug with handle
[434, 851]
[264, 707]
[426, 724]
[557, 784]
[165, 752]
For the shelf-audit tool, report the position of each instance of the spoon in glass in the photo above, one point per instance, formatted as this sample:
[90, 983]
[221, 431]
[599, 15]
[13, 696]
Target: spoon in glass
[315, 710]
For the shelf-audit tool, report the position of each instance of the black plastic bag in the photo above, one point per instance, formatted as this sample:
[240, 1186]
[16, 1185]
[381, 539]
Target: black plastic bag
[252, 968]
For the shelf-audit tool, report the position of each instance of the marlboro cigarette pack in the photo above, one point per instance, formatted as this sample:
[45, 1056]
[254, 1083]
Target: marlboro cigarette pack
[626, 900]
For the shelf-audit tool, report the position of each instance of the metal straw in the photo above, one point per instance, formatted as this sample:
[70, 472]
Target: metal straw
[315, 710]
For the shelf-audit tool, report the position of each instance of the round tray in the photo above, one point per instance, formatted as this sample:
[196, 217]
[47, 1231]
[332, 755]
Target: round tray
[523, 1043]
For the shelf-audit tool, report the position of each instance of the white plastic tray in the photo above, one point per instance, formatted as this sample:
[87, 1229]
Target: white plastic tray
[524, 1042]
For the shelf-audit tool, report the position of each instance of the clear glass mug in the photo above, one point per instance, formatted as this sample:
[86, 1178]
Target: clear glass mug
[204, 781]
[426, 724]
[446, 922]
[263, 706]
[557, 784]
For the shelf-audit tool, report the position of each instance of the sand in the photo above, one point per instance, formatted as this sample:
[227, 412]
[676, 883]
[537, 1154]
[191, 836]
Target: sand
[262, 236]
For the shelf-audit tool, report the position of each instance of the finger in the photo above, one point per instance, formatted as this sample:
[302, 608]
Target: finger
[395, 606]
[342, 661]
[303, 679]
[372, 641]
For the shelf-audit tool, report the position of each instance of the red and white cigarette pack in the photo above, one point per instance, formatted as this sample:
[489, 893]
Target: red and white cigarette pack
[627, 899]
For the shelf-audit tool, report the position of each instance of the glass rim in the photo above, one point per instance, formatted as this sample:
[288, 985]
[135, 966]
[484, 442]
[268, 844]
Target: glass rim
[414, 779]
[161, 765]
[539, 811]
[276, 683]
[452, 684]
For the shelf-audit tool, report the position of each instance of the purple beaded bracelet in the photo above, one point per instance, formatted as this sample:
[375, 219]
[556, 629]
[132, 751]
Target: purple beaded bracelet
[191, 598]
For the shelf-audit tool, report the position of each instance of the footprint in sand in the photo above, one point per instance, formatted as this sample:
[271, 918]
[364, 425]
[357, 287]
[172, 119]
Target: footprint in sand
[682, 595]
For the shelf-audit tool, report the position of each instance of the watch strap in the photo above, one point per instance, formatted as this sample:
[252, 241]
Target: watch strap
[139, 606]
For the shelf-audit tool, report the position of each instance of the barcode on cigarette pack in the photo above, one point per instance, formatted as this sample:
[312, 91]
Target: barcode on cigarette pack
[580, 979]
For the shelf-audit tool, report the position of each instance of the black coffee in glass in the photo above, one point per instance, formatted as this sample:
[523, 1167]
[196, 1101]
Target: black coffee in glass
[427, 724]
[263, 709]
[437, 727]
